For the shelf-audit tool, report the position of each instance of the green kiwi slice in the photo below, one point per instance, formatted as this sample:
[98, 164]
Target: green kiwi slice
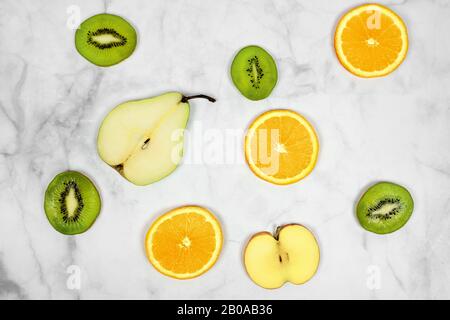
[105, 39]
[254, 72]
[384, 208]
[72, 203]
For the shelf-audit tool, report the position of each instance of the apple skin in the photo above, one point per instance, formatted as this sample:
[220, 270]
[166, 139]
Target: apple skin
[283, 273]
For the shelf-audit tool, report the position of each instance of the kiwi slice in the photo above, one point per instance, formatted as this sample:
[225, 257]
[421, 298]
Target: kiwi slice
[384, 208]
[254, 72]
[72, 203]
[105, 39]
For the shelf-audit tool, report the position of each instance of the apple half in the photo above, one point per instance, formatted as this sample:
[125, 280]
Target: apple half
[291, 255]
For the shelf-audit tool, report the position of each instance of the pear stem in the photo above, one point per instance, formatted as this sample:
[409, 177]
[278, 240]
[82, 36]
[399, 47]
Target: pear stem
[186, 99]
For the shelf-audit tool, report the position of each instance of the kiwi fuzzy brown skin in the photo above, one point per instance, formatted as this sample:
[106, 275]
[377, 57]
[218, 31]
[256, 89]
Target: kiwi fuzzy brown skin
[71, 221]
[384, 207]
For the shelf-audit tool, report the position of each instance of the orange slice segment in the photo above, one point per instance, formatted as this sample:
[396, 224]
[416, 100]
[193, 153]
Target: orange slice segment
[184, 243]
[281, 147]
[371, 41]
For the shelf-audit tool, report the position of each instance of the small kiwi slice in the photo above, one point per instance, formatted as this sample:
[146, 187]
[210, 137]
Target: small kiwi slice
[254, 72]
[384, 208]
[72, 203]
[105, 39]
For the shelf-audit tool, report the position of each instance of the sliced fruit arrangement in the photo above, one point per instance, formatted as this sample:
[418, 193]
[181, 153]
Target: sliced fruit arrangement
[371, 41]
[184, 243]
[384, 208]
[71, 203]
[281, 147]
[291, 255]
[143, 139]
[254, 72]
[105, 39]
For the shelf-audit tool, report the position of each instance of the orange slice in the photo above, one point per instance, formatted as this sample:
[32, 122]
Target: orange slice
[371, 41]
[184, 243]
[281, 147]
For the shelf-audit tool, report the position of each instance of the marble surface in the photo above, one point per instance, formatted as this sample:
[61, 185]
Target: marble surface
[394, 128]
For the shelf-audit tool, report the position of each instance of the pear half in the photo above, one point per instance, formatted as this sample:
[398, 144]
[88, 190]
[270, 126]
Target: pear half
[143, 139]
[291, 255]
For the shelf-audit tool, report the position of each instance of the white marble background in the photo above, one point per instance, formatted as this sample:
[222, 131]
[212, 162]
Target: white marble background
[394, 128]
